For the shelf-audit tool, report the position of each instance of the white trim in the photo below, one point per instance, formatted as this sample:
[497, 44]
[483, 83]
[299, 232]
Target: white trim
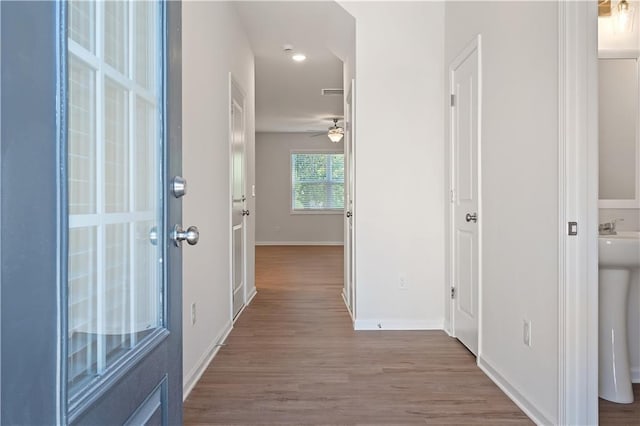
[344, 299]
[577, 202]
[252, 294]
[635, 374]
[509, 390]
[620, 204]
[191, 379]
[396, 324]
[618, 53]
[299, 243]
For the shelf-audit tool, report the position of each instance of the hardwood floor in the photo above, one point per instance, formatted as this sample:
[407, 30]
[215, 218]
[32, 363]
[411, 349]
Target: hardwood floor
[293, 358]
[621, 414]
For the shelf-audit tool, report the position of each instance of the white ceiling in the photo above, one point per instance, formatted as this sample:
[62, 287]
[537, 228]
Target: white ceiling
[288, 93]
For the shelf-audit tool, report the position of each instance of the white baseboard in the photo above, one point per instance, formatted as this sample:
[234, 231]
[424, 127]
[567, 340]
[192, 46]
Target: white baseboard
[344, 299]
[635, 374]
[396, 324]
[190, 380]
[252, 294]
[526, 406]
[299, 243]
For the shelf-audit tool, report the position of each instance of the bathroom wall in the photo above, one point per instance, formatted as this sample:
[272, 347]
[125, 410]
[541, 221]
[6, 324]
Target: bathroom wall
[628, 219]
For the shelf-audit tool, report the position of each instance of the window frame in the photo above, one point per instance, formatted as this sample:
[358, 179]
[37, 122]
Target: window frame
[292, 211]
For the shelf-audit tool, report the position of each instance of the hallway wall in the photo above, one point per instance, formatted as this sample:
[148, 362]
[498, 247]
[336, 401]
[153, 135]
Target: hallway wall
[213, 44]
[519, 213]
[399, 152]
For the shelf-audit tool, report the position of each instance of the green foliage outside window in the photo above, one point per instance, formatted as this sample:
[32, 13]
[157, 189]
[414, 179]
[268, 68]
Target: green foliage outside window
[317, 181]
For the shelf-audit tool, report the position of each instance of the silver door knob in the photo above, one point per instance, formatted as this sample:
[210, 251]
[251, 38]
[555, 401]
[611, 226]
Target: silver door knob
[245, 212]
[349, 214]
[153, 236]
[191, 235]
[179, 186]
[471, 217]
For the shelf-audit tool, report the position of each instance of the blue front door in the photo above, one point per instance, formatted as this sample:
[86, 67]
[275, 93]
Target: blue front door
[91, 140]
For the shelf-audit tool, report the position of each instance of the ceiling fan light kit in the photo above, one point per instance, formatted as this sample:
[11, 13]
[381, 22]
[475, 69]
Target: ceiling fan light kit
[335, 133]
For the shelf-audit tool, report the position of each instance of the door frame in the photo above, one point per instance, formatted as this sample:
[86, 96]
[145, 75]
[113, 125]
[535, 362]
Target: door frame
[475, 44]
[235, 85]
[578, 202]
[350, 176]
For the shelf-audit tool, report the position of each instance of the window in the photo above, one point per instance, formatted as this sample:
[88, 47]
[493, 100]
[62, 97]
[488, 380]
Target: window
[317, 181]
[115, 264]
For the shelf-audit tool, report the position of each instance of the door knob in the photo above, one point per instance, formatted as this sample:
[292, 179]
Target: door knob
[471, 217]
[191, 235]
[179, 186]
[153, 236]
[245, 212]
[349, 214]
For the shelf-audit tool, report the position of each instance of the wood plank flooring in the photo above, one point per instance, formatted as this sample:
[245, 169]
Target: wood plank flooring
[293, 359]
[621, 414]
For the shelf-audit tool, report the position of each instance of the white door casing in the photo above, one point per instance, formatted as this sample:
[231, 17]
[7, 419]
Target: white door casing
[238, 196]
[464, 75]
[349, 205]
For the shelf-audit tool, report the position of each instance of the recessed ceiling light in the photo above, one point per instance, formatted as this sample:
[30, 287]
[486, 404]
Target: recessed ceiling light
[298, 57]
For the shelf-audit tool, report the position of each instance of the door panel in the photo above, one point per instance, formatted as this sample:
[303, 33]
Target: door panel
[238, 198]
[349, 204]
[107, 316]
[464, 184]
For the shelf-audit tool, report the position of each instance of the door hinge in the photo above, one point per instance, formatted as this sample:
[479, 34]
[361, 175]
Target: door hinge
[453, 195]
[453, 100]
[453, 292]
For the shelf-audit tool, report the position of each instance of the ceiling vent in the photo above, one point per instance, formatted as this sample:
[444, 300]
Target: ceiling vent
[332, 92]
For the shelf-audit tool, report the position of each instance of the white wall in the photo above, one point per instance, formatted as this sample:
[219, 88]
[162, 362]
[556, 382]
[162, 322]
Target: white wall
[275, 224]
[519, 220]
[213, 44]
[399, 151]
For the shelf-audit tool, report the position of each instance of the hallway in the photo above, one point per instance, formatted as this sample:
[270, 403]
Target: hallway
[293, 358]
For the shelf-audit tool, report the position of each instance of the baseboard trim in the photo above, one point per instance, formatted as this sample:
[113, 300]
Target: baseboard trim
[526, 406]
[344, 299]
[191, 379]
[396, 324]
[635, 374]
[299, 243]
[252, 295]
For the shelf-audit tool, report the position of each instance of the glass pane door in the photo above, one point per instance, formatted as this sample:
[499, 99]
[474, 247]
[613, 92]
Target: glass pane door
[115, 264]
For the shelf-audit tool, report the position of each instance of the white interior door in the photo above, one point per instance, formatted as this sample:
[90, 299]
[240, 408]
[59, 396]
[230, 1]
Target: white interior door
[238, 198]
[349, 290]
[465, 102]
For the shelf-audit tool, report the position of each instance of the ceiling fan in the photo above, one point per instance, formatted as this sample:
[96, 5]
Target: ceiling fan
[335, 132]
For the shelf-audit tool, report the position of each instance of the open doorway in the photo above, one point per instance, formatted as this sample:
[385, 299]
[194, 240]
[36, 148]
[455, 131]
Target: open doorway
[304, 141]
[619, 213]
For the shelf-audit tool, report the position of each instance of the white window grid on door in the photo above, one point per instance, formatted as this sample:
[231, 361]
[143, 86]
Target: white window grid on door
[89, 54]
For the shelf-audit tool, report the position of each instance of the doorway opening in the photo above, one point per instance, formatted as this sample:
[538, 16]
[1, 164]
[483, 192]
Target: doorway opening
[304, 142]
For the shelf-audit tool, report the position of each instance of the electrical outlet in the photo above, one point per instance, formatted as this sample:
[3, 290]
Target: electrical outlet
[402, 282]
[526, 332]
[193, 313]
